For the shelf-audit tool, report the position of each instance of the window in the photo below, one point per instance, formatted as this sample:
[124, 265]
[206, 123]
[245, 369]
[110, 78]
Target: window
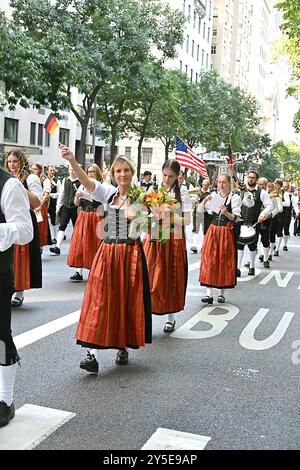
[202, 58]
[47, 139]
[183, 6]
[192, 74]
[199, 25]
[206, 61]
[195, 20]
[64, 136]
[147, 155]
[193, 48]
[215, 32]
[197, 75]
[189, 13]
[204, 25]
[187, 43]
[180, 65]
[32, 133]
[186, 69]
[198, 53]
[128, 152]
[40, 134]
[213, 50]
[11, 130]
[208, 34]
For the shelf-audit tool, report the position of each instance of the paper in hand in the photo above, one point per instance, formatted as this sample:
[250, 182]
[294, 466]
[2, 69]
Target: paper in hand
[215, 203]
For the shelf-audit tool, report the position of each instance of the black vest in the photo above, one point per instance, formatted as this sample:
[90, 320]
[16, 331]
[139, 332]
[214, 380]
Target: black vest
[251, 214]
[70, 191]
[6, 257]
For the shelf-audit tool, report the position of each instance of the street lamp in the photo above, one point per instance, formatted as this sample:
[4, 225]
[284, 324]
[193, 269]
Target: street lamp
[284, 163]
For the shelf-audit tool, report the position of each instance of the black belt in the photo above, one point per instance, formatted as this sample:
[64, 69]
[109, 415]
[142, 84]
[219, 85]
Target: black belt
[88, 209]
[119, 241]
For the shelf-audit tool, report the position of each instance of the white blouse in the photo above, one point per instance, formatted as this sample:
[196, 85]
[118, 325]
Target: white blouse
[15, 207]
[233, 198]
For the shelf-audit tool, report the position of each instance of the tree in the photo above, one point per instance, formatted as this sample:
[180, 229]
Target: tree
[85, 44]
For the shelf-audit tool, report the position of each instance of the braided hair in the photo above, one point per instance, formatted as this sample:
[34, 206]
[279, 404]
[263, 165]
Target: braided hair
[175, 167]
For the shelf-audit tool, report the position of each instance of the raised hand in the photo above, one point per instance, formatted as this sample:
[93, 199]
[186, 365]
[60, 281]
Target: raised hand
[66, 153]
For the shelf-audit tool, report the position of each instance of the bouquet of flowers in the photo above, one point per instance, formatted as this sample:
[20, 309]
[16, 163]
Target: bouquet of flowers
[155, 212]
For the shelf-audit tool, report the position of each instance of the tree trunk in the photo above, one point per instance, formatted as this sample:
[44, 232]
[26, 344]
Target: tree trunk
[167, 147]
[82, 144]
[139, 162]
[113, 144]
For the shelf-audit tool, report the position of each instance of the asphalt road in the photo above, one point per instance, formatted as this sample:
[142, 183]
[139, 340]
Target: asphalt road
[235, 379]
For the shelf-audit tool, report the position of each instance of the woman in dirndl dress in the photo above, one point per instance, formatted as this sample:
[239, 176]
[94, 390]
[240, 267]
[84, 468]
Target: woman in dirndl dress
[219, 253]
[85, 241]
[42, 210]
[27, 258]
[167, 261]
[116, 309]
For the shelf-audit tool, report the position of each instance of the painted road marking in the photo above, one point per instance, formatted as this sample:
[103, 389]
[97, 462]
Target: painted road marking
[31, 336]
[169, 439]
[31, 425]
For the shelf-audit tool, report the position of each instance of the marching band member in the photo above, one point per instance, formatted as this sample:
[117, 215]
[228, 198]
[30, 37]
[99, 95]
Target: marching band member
[116, 309]
[65, 207]
[200, 218]
[15, 228]
[273, 190]
[252, 215]
[167, 262]
[285, 218]
[264, 228]
[27, 258]
[296, 204]
[218, 256]
[85, 242]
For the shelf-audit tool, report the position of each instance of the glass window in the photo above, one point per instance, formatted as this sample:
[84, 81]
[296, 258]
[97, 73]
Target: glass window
[11, 130]
[128, 152]
[147, 155]
[47, 139]
[213, 49]
[40, 134]
[64, 136]
[32, 133]
[193, 48]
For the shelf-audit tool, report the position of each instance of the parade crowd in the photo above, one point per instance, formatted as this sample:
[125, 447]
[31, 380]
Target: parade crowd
[131, 274]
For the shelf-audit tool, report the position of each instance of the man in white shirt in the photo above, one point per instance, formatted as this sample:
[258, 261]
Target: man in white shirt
[15, 228]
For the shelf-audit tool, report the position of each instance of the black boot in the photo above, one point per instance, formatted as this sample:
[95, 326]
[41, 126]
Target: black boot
[6, 413]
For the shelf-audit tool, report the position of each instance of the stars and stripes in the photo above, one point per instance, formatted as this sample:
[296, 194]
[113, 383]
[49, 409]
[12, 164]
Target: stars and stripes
[51, 124]
[189, 159]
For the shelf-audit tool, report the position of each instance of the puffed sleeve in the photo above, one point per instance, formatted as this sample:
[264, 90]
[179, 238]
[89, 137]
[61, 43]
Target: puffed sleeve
[236, 203]
[35, 186]
[103, 192]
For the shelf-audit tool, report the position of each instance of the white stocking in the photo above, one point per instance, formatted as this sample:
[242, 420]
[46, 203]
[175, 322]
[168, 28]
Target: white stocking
[7, 381]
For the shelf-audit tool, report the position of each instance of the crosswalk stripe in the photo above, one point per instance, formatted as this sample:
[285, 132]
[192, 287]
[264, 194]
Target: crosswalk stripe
[31, 425]
[169, 439]
[31, 336]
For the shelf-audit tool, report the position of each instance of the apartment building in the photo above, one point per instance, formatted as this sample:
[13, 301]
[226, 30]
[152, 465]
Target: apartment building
[193, 56]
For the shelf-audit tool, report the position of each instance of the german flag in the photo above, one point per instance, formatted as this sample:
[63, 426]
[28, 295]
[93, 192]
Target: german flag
[51, 124]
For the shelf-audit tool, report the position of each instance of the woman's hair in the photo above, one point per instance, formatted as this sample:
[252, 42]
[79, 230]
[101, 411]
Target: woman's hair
[279, 182]
[121, 159]
[95, 167]
[175, 167]
[24, 168]
[41, 175]
[229, 180]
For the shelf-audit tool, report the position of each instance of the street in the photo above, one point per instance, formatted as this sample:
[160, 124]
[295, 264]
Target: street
[229, 373]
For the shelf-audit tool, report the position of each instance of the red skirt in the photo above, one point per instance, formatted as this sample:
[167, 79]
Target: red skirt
[116, 311]
[84, 243]
[22, 267]
[43, 227]
[167, 266]
[218, 258]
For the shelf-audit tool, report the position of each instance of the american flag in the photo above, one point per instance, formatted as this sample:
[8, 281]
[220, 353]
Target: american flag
[189, 159]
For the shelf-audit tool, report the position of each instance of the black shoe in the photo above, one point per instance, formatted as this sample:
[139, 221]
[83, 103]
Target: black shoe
[261, 257]
[55, 250]
[90, 364]
[17, 302]
[247, 265]
[65, 237]
[169, 327]
[266, 264]
[193, 249]
[54, 241]
[76, 277]
[122, 357]
[238, 273]
[6, 413]
[270, 258]
[285, 248]
[276, 253]
[251, 272]
[221, 299]
[207, 300]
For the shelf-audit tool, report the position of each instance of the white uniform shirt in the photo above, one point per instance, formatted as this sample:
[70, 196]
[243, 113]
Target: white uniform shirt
[47, 188]
[15, 207]
[35, 186]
